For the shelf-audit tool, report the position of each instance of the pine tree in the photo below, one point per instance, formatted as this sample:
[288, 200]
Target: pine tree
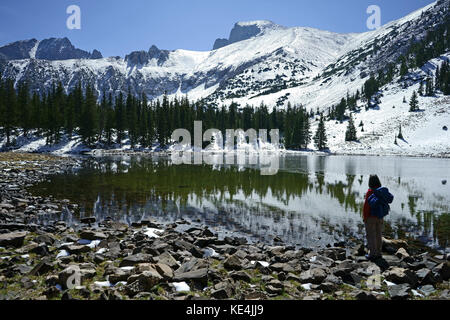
[24, 108]
[421, 88]
[89, 122]
[403, 67]
[350, 134]
[400, 134]
[110, 120]
[414, 102]
[121, 117]
[429, 89]
[320, 138]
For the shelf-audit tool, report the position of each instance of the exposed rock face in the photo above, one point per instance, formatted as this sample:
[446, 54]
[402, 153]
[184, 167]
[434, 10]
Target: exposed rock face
[138, 58]
[18, 50]
[244, 31]
[47, 49]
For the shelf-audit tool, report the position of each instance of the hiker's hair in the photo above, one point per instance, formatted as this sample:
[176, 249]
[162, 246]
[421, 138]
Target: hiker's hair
[374, 182]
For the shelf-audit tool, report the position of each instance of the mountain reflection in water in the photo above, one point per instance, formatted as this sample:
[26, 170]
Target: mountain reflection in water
[313, 200]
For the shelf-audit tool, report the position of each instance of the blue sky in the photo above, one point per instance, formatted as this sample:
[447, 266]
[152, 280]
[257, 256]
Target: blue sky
[117, 27]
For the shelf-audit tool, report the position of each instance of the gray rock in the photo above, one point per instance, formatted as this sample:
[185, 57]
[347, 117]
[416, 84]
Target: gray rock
[136, 259]
[147, 279]
[233, 263]
[92, 235]
[327, 287]
[119, 275]
[164, 270]
[200, 275]
[282, 267]
[399, 292]
[443, 270]
[13, 239]
[426, 289]
[222, 290]
[425, 276]
[42, 268]
[77, 249]
[315, 276]
[240, 275]
[400, 275]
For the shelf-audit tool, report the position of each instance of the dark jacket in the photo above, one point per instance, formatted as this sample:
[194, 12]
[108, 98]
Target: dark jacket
[379, 202]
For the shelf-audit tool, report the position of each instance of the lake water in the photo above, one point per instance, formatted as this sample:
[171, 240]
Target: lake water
[312, 201]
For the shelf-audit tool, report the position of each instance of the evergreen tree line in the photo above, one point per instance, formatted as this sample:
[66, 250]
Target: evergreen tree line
[106, 121]
[435, 43]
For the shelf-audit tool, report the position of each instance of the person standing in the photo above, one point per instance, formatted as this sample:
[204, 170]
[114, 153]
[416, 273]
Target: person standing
[376, 207]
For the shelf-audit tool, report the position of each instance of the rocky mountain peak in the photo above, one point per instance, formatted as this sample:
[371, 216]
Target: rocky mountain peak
[245, 30]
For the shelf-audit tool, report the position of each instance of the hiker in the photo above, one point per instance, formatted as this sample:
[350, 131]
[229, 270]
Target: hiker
[376, 207]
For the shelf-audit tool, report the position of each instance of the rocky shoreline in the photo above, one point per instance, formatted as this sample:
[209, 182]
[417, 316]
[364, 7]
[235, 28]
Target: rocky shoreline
[151, 260]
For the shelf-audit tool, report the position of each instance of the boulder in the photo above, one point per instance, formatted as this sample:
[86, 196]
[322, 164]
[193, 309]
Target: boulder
[92, 235]
[399, 292]
[233, 262]
[42, 268]
[135, 259]
[400, 275]
[222, 290]
[442, 271]
[314, 275]
[78, 249]
[147, 279]
[425, 276]
[240, 275]
[164, 270]
[118, 276]
[168, 259]
[199, 276]
[404, 255]
[13, 239]
[392, 245]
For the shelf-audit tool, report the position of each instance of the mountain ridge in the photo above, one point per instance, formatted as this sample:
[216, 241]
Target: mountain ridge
[265, 67]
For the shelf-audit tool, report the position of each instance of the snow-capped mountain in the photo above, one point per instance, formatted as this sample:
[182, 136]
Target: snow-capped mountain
[264, 62]
[260, 62]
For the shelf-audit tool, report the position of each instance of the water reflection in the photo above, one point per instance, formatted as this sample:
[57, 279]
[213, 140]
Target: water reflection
[312, 200]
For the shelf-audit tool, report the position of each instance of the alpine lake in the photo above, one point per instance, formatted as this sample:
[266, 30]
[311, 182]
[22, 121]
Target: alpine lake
[312, 200]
